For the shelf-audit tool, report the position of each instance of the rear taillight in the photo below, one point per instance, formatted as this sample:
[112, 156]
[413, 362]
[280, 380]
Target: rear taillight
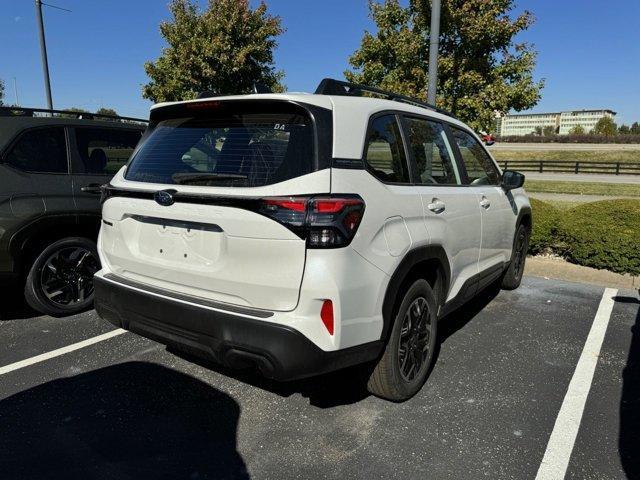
[324, 221]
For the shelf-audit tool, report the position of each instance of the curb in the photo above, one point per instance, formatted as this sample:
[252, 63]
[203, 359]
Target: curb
[559, 269]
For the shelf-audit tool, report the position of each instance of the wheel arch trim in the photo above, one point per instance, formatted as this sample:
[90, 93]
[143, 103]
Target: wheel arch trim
[525, 211]
[410, 260]
[49, 228]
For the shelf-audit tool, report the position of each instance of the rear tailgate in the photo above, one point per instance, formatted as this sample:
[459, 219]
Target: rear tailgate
[206, 239]
[215, 252]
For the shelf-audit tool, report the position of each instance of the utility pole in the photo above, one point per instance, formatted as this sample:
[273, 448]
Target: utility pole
[434, 43]
[43, 53]
[15, 90]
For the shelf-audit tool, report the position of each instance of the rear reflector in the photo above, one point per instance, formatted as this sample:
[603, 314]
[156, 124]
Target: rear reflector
[326, 314]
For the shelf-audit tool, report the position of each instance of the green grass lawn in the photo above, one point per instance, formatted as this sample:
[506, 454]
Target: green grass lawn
[623, 156]
[583, 188]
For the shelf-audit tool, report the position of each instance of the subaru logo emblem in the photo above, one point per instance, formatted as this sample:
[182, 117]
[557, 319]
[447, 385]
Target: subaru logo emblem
[164, 197]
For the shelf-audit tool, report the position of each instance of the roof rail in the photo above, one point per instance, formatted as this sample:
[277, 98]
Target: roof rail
[330, 86]
[6, 111]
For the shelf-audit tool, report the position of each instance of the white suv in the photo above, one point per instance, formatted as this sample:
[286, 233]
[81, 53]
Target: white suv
[303, 233]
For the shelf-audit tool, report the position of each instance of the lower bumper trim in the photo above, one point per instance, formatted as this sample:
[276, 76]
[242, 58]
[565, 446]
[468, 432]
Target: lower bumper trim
[278, 351]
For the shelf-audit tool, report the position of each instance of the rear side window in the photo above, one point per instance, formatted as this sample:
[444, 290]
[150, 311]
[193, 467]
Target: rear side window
[104, 150]
[480, 167]
[432, 153]
[41, 150]
[384, 151]
[227, 149]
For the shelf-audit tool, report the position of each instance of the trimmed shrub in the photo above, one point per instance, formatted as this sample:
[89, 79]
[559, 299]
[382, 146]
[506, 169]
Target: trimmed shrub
[603, 234]
[546, 219]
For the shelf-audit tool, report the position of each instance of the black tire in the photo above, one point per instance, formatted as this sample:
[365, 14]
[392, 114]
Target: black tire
[390, 379]
[512, 276]
[66, 266]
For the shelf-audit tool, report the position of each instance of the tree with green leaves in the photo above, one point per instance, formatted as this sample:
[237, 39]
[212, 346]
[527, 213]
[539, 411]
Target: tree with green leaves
[577, 130]
[635, 128]
[224, 49]
[107, 111]
[624, 130]
[538, 131]
[549, 131]
[605, 126]
[481, 68]
[73, 111]
[1, 92]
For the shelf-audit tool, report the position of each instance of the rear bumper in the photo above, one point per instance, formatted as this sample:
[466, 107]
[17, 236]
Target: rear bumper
[278, 351]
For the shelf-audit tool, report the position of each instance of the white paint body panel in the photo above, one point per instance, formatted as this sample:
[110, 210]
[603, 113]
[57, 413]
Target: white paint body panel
[457, 229]
[498, 225]
[251, 261]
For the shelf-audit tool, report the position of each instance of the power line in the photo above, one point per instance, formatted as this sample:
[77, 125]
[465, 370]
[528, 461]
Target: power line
[55, 6]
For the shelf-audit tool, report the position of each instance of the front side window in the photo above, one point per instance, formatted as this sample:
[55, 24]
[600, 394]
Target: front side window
[480, 168]
[384, 152]
[42, 150]
[432, 153]
[230, 149]
[104, 150]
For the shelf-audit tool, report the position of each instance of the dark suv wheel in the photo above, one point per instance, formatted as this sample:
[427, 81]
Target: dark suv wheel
[404, 365]
[60, 281]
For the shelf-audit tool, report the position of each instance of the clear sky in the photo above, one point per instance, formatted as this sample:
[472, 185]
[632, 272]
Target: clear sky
[589, 50]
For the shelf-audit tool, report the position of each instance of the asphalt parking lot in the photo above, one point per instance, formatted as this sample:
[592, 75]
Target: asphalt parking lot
[496, 403]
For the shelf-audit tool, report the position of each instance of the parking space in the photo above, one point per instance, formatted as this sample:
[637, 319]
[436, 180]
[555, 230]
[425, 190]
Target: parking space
[126, 407]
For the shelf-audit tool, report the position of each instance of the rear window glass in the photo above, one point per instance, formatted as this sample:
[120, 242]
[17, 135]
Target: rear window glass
[226, 149]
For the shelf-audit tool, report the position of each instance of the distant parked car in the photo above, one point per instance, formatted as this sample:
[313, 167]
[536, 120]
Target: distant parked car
[52, 164]
[487, 138]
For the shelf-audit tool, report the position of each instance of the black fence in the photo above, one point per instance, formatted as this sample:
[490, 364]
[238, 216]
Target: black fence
[565, 166]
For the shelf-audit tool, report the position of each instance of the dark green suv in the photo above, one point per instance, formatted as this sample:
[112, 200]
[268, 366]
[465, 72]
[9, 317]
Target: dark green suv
[52, 164]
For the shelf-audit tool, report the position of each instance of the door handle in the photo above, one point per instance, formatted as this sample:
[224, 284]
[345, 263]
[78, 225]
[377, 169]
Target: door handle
[94, 188]
[484, 203]
[436, 206]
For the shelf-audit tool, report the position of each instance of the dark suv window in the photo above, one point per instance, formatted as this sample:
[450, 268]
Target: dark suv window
[40, 150]
[384, 152]
[480, 167]
[103, 150]
[229, 147]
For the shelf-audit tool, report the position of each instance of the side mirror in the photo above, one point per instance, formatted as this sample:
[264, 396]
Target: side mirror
[512, 179]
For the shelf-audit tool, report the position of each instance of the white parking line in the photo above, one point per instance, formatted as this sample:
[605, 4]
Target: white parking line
[556, 457]
[60, 351]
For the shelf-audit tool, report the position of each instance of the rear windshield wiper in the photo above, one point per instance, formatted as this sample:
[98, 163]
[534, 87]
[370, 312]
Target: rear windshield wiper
[186, 178]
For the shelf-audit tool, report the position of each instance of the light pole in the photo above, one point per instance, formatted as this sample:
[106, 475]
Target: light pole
[15, 90]
[434, 43]
[43, 53]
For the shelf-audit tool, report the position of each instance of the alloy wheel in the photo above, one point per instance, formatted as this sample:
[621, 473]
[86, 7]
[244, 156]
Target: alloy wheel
[67, 276]
[413, 349]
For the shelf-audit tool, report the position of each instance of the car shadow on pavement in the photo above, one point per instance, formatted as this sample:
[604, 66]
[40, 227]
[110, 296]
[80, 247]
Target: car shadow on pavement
[14, 306]
[459, 318]
[347, 386]
[131, 420]
[343, 387]
[629, 440]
